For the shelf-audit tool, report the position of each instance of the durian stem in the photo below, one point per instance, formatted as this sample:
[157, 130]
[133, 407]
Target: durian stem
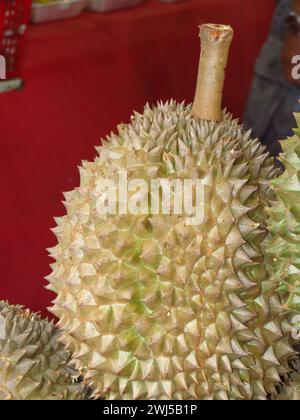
[215, 45]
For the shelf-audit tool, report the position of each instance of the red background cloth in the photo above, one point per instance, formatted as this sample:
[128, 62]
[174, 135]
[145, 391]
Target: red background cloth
[83, 76]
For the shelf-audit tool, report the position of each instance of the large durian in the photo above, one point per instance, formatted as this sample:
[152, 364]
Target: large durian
[33, 364]
[283, 244]
[154, 307]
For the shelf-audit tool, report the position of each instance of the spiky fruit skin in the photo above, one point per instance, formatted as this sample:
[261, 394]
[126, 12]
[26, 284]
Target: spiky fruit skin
[283, 244]
[290, 389]
[33, 364]
[153, 308]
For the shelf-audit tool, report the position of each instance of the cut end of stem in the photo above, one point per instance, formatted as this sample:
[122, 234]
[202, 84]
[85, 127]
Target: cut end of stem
[215, 45]
[216, 31]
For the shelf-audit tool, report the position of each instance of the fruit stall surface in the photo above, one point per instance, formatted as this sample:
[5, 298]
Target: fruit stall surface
[82, 77]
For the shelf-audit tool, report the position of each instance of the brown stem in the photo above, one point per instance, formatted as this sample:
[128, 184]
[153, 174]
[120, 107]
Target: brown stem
[215, 44]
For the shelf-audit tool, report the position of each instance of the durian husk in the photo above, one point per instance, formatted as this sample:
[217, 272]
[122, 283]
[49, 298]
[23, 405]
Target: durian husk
[282, 246]
[33, 364]
[152, 308]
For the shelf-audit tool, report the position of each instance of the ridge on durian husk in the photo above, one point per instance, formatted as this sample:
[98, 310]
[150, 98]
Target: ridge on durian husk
[283, 244]
[33, 364]
[153, 308]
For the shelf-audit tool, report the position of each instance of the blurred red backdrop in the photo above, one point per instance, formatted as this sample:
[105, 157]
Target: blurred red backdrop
[83, 76]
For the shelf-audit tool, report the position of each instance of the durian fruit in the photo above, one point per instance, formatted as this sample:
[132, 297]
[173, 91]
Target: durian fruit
[290, 388]
[33, 364]
[151, 306]
[283, 244]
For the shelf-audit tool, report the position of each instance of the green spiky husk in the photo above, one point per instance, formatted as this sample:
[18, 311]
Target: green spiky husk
[282, 247]
[33, 364]
[152, 308]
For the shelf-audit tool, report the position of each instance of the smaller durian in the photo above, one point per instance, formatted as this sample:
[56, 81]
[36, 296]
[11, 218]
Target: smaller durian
[33, 364]
[282, 247]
